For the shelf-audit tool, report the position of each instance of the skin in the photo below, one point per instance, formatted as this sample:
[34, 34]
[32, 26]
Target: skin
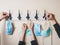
[3, 15]
[51, 17]
[24, 27]
[31, 29]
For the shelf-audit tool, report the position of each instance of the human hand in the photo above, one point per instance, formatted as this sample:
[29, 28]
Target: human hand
[3, 15]
[51, 17]
[31, 25]
[24, 27]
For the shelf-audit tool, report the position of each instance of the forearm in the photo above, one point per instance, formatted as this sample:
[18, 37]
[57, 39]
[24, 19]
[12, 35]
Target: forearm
[57, 27]
[21, 41]
[22, 36]
[34, 41]
[32, 35]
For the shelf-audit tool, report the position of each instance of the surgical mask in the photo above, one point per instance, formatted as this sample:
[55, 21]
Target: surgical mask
[38, 31]
[8, 27]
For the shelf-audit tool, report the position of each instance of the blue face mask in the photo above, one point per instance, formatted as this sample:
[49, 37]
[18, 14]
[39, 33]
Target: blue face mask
[38, 31]
[28, 32]
[45, 33]
[8, 27]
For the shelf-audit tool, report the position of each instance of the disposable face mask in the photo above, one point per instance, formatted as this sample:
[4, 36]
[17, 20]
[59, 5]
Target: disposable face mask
[28, 32]
[37, 29]
[45, 33]
[8, 27]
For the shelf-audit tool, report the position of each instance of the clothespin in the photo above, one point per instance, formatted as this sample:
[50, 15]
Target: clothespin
[28, 17]
[44, 14]
[19, 15]
[36, 17]
[10, 17]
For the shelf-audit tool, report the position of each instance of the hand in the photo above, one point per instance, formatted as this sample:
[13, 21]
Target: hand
[22, 37]
[3, 15]
[51, 17]
[31, 25]
[24, 27]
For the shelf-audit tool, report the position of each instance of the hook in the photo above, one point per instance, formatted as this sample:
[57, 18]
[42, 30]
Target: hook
[36, 17]
[10, 17]
[19, 15]
[28, 17]
[44, 14]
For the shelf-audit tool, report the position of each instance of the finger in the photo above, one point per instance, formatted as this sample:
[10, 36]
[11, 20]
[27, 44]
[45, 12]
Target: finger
[5, 14]
[25, 25]
[48, 14]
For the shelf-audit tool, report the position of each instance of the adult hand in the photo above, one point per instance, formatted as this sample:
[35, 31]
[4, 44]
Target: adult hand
[3, 15]
[51, 17]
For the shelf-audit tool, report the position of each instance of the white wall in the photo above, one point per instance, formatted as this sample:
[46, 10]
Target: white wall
[14, 5]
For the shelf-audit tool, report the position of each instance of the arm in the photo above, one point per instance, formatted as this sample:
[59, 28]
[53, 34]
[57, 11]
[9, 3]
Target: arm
[51, 17]
[33, 37]
[57, 28]
[22, 38]
[34, 40]
[21, 41]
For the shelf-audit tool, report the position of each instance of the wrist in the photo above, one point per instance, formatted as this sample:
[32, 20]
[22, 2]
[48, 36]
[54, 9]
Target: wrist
[31, 30]
[54, 22]
[23, 31]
